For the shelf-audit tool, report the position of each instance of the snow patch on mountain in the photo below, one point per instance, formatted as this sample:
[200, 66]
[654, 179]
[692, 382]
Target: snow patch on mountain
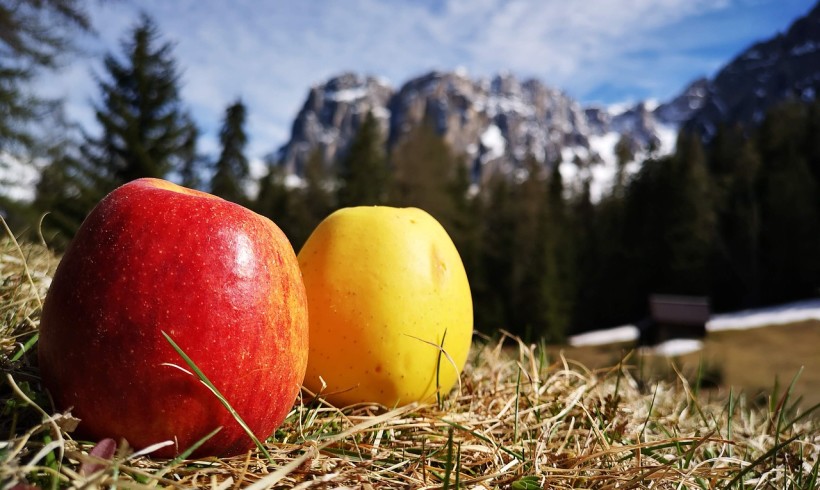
[348, 95]
[493, 142]
[497, 123]
[668, 136]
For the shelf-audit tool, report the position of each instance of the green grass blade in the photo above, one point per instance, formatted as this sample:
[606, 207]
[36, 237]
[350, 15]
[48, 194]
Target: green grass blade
[760, 460]
[185, 454]
[517, 395]
[730, 419]
[458, 466]
[26, 347]
[204, 379]
[814, 476]
[448, 464]
[438, 370]
[25, 262]
[648, 414]
[781, 411]
[803, 415]
[527, 483]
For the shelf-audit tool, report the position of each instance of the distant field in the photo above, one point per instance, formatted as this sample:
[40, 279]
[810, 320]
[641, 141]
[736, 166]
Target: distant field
[748, 360]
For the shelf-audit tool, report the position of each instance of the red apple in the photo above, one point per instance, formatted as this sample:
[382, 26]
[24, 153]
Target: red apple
[222, 281]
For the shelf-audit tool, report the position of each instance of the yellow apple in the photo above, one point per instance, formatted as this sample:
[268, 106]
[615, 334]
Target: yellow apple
[391, 316]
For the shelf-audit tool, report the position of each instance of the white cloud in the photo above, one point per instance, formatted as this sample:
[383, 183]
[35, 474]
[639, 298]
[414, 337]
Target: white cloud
[578, 44]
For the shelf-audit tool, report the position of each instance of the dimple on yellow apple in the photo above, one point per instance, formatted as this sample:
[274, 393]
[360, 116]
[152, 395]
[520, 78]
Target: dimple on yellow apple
[391, 315]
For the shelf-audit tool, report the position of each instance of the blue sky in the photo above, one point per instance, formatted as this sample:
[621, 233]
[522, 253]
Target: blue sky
[271, 52]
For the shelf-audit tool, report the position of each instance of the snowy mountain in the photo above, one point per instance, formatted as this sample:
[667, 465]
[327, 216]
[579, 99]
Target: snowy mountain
[331, 115]
[786, 66]
[495, 123]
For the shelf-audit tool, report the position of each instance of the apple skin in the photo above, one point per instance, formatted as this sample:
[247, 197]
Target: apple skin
[386, 287]
[221, 280]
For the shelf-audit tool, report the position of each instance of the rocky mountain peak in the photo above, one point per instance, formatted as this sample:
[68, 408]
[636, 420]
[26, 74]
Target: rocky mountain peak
[784, 67]
[497, 122]
[494, 122]
[332, 113]
[681, 108]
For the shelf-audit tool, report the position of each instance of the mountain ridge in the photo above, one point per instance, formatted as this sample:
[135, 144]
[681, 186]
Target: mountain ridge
[496, 122]
[785, 66]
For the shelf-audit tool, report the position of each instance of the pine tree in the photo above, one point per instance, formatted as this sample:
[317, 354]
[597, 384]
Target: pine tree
[269, 201]
[363, 170]
[273, 199]
[232, 169]
[34, 35]
[691, 223]
[194, 165]
[492, 291]
[624, 153]
[588, 261]
[811, 143]
[735, 167]
[423, 167]
[59, 194]
[670, 224]
[608, 290]
[144, 131]
[311, 203]
[790, 209]
[144, 128]
[529, 255]
[559, 284]
[463, 220]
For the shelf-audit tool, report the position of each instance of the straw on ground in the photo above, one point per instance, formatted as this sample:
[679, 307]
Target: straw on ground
[518, 420]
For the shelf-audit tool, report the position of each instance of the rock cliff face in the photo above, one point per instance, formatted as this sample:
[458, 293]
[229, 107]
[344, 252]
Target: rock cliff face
[786, 66]
[496, 123]
[331, 115]
[681, 108]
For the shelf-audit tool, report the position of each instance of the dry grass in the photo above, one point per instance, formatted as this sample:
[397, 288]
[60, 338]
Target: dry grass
[520, 420]
[747, 360]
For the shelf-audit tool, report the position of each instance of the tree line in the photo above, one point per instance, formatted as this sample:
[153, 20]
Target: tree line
[735, 219]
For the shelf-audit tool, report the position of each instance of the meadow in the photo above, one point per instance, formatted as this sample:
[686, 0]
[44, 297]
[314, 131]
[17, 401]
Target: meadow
[523, 417]
[752, 361]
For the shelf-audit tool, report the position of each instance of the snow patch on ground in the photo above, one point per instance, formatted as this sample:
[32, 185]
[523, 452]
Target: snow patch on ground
[777, 315]
[673, 347]
[624, 333]
[740, 320]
